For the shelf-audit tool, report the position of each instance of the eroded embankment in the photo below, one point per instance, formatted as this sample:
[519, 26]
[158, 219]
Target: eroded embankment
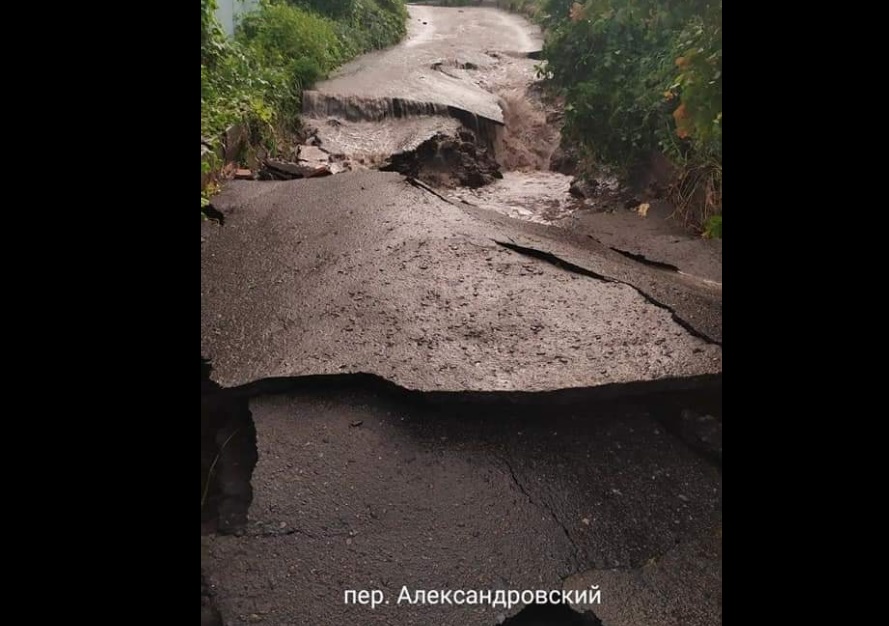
[454, 82]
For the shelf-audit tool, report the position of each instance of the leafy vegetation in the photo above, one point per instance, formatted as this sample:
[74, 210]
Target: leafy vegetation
[638, 77]
[256, 80]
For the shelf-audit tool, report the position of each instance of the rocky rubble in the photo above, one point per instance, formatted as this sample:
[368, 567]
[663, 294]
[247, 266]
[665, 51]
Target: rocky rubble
[309, 162]
[448, 161]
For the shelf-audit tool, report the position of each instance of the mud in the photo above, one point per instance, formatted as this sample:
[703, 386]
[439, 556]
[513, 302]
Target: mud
[363, 272]
[210, 615]
[448, 161]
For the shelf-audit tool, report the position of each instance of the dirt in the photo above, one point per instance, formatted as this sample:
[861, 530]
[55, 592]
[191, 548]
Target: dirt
[228, 456]
[448, 161]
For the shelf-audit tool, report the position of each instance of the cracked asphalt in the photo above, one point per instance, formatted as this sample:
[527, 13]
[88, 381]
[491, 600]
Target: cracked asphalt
[363, 272]
[356, 490]
[553, 424]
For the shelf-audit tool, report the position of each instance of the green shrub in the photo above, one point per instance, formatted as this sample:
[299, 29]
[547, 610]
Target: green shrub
[372, 25]
[281, 35]
[236, 87]
[698, 52]
[640, 76]
[713, 227]
[330, 8]
[282, 48]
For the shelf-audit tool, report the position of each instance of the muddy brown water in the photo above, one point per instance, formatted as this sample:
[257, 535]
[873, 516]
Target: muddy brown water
[458, 68]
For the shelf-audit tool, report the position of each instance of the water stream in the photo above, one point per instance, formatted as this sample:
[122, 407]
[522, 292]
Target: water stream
[458, 68]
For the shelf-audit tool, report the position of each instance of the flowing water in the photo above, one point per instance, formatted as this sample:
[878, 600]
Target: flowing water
[457, 68]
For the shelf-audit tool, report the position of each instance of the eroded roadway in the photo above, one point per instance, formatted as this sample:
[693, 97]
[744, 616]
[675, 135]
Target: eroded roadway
[524, 446]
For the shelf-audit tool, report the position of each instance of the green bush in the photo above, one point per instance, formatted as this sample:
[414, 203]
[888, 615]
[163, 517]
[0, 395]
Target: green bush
[330, 8]
[237, 87]
[281, 35]
[640, 76]
[713, 227]
[698, 52]
[455, 3]
[282, 48]
[372, 25]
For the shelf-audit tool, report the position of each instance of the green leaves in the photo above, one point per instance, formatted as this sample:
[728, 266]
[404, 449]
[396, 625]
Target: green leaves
[713, 228]
[641, 76]
[281, 49]
[257, 78]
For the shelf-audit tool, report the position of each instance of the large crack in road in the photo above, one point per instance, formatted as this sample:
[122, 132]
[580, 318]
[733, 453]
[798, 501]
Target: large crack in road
[362, 272]
[362, 485]
[551, 258]
[299, 282]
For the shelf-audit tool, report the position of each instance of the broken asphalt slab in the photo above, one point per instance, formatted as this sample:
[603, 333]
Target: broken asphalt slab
[359, 490]
[365, 272]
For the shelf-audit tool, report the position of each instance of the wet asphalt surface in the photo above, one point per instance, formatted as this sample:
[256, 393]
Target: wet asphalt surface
[357, 490]
[474, 473]
[421, 69]
[654, 237]
[363, 272]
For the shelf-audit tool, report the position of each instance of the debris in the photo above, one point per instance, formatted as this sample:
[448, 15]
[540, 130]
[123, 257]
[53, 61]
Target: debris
[583, 189]
[445, 161]
[285, 170]
[312, 154]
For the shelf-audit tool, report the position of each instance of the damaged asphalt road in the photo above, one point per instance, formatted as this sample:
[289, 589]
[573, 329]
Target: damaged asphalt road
[360, 487]
[526, 416]
[412, 391]
[364, 272]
